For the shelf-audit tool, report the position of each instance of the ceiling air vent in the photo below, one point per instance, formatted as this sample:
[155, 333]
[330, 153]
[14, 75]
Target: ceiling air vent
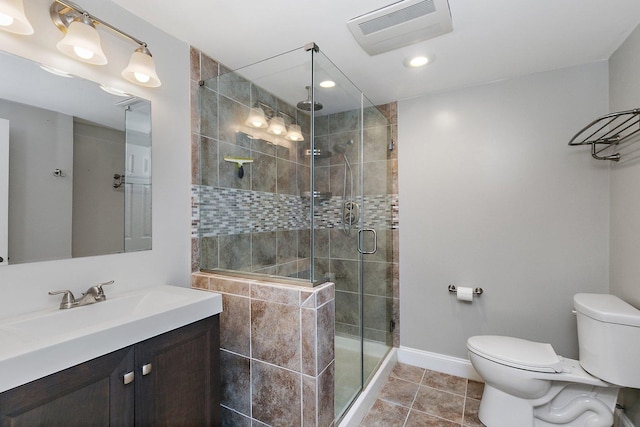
[401, 24]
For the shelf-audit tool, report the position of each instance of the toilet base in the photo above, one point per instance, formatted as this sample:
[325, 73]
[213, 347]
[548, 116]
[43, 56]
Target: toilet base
[566, 404]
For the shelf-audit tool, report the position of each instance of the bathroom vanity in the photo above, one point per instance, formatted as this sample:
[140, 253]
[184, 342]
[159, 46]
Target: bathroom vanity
[167, 378]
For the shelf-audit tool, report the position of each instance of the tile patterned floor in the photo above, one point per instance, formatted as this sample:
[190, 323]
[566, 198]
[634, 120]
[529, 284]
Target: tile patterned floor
[416, 397]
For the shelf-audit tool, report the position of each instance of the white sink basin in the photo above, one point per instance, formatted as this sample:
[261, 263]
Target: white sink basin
[41, 343]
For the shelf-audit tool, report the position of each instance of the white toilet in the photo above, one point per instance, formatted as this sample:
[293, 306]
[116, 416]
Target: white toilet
[528, 385]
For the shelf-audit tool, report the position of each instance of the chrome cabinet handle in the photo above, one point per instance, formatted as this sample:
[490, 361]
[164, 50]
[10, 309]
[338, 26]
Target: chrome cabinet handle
[375, 241]
[128, 378]
[146, 369]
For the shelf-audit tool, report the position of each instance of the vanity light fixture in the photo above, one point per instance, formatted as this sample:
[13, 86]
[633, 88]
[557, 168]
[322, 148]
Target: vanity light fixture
[82, 42]
[13, 19]
[142, 69]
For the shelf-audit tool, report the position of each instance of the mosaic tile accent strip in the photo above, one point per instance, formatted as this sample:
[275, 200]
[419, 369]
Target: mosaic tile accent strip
[217, 211]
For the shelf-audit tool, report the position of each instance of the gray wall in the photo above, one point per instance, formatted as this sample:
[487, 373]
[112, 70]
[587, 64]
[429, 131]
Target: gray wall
[494, 197]
[624, 68]
[39, 203]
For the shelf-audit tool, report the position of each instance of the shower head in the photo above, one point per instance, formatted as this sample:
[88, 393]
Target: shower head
[306, 104]
[341, 147]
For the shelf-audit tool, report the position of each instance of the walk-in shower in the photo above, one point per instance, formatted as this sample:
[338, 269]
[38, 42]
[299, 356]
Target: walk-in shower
[315, 202]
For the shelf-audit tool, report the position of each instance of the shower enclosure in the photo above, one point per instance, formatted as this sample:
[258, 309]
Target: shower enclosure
[296, 186]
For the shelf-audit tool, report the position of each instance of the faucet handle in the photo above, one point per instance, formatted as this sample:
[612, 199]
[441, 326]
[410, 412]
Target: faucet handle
[99, 286]
[68, 300]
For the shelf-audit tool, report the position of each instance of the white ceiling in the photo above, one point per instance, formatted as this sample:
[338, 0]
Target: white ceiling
[491, 39]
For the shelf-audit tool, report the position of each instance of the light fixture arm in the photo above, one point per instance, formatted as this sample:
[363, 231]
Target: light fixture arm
[64, 12]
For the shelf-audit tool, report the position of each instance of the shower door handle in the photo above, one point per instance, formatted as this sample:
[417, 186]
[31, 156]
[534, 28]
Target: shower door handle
[360, 239]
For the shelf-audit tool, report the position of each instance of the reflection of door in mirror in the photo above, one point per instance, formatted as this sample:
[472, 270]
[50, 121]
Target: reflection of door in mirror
[137, 200]
[4, 191]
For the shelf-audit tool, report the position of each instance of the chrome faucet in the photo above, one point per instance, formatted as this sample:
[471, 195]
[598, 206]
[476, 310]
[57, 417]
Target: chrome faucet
[94, 294]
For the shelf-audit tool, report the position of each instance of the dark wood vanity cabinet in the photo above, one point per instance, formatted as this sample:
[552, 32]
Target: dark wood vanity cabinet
[176, 381]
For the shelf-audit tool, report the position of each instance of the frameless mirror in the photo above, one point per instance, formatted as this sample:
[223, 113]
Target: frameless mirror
[78, 177]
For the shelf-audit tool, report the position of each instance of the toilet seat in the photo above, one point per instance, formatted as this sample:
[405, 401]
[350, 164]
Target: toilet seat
[517, 353]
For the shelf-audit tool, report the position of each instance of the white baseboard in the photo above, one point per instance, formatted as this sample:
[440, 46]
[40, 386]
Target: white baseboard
[438, 362]
[368, 397]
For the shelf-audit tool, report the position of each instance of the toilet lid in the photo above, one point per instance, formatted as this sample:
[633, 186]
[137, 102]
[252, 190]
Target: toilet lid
[516, 352]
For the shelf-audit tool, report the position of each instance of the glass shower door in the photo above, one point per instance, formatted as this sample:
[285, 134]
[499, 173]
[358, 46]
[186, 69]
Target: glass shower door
[376, 239]
[352, 229]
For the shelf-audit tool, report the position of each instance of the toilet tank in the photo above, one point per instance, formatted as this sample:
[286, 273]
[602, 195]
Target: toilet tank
[609, 338]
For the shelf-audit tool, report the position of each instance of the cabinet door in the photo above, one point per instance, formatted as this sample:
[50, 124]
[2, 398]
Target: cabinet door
[177, 377]
[90, 394]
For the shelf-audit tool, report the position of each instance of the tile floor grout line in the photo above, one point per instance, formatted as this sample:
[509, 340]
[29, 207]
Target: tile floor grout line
[464, 402]
[415, 396]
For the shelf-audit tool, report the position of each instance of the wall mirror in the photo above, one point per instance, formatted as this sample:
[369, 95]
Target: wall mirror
[75, 166]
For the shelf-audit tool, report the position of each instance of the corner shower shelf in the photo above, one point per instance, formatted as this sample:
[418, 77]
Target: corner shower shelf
[610, 129]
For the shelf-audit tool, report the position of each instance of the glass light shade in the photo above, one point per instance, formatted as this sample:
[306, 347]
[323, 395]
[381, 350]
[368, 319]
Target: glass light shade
[295, 133]
[82, 42]
[256, 119]
[13, 19]
[277, 126]
[142, 69]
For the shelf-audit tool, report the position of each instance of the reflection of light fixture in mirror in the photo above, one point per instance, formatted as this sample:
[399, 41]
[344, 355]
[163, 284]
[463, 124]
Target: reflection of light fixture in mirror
[142, 68]
[256, 118]
[13, 19]
[295, 133]
[55, 71]
[82, 42]
[114, 91]
[277, 126]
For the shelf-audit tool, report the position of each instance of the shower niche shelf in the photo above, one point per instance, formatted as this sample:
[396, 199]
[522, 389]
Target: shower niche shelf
[608, 130]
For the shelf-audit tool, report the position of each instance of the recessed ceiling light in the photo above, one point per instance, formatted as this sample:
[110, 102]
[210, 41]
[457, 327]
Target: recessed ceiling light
[418, 61]
[327, 83]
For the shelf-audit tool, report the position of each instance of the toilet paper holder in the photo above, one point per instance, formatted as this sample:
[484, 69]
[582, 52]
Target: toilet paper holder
[476, 291]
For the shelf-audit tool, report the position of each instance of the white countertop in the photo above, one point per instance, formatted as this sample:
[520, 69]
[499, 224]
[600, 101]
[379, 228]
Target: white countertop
[40, 343]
